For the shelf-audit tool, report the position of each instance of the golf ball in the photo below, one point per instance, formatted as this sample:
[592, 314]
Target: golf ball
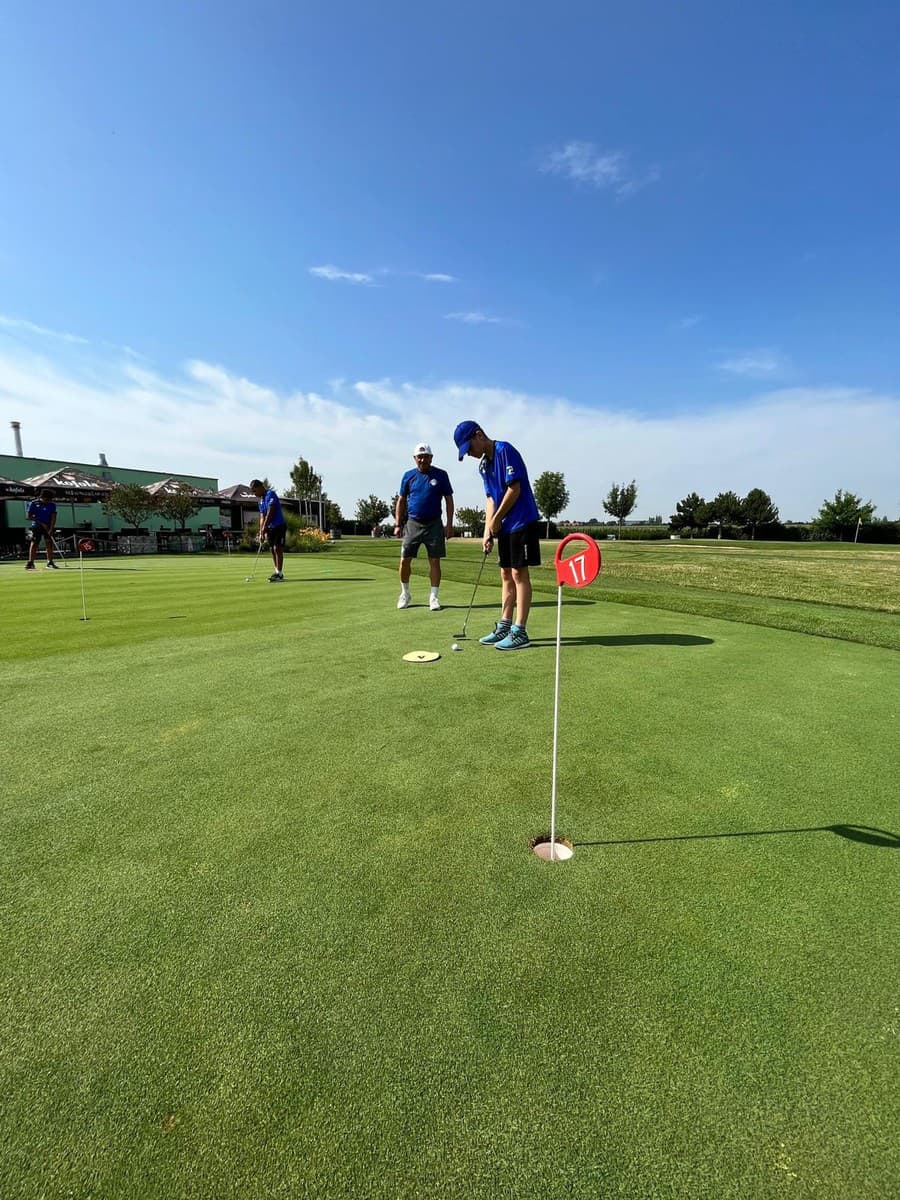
[455, 646]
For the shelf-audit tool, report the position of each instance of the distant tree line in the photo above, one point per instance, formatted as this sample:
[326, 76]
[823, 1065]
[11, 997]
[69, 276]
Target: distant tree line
[134, 504]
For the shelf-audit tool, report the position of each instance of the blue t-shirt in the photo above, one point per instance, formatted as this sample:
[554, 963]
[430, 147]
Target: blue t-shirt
[507, 467]
[423, 492]
[271, 505]
[41, 512]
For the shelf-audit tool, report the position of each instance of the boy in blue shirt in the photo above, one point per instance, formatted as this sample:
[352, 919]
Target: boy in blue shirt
[272, 525]
[42, 515]
[418, 518]
[510, 516]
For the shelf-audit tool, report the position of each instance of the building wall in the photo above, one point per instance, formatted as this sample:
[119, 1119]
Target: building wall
[92, 516]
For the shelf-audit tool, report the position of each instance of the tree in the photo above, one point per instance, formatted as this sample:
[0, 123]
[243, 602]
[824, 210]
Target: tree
[333, 514]
[687, 514]
[621, 501]
[371, 511]
[726, 509]
[306, 484]
[550, 495]
[841, 515]
[471, 518]
[177, 506]
[132, 503]
[758, 510]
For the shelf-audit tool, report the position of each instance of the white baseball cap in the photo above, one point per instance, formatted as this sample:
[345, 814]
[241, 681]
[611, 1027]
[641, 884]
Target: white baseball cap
[422, 448]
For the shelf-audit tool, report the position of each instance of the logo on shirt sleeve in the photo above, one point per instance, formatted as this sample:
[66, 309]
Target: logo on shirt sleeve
[510, 471]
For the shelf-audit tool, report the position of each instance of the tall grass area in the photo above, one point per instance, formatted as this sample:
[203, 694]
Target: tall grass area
[828, 589]
[270, 925]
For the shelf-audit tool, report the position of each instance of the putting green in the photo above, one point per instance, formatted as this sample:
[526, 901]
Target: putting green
[273, 927]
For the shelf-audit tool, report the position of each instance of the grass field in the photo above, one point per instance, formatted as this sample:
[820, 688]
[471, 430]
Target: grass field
[271, 926]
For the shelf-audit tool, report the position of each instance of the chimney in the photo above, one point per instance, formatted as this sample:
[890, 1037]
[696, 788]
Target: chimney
[103, 462]
[16, 428]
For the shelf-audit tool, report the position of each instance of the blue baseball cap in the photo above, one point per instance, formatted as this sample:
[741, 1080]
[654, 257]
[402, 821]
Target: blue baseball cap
[463, 434]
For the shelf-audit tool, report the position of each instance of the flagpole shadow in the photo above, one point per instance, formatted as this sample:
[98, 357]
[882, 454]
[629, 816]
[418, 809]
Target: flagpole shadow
[865, 834]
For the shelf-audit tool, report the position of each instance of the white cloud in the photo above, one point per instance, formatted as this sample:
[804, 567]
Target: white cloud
[207, 420]
[609, 170]
[755, 364]
[336, 274]
[438, 277]
[476, 318]
[40, 330]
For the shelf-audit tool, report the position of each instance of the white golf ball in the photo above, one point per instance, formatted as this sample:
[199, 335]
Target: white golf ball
[455, 646]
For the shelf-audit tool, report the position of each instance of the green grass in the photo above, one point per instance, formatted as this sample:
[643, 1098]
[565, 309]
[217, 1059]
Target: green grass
[271, 926]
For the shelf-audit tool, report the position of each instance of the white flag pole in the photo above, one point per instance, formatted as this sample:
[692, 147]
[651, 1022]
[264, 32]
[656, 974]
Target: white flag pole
[84, 615]
[555, 727]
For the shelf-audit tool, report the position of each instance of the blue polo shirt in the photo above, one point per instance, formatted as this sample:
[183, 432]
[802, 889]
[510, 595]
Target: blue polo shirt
[41, 512]
[270, 505]
[423, 492]
[507, 467]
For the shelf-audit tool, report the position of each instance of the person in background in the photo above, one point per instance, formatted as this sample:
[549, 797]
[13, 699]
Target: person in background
[272, 526]
[418, 518]
[42, 515]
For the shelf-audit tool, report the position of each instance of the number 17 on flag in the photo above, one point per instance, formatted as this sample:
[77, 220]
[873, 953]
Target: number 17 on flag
[577, 570]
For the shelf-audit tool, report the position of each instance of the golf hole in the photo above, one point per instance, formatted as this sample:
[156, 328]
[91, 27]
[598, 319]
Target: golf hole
[562, 848]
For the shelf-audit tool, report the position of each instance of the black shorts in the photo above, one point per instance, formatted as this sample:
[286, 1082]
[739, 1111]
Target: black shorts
[521, 548]
[276, 535]
[36, 532]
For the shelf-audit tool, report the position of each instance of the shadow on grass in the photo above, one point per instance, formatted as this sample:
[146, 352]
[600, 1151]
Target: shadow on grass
[492, 604]
[853, 833]
[627, 639]
[332, 579]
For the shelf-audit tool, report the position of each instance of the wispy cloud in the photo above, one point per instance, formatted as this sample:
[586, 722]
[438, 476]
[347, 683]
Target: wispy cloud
[438, 277]
[604, 170]
[690, 322]
[477, 318]
[206, 419]
[41, 330]
[335, 274]
[756, 364]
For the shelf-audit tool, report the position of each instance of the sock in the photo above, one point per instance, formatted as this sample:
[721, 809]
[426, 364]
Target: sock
[503, 624]
[434, 591]
[404, 589]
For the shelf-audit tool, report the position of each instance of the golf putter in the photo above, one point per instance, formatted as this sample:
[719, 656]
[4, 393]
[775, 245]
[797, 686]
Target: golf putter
[60, 553]
[252, 576]
[461, 636]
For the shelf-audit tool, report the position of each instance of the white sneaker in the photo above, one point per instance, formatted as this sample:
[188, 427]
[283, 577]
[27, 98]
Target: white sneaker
[404, 600]
[434, 604]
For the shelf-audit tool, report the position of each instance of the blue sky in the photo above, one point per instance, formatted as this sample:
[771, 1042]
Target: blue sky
[649, 240]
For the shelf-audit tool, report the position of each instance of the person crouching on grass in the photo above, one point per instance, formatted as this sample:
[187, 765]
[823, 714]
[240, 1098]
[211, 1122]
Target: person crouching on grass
[510, 516]
[272, 526]
[42, 515]
[418, 518]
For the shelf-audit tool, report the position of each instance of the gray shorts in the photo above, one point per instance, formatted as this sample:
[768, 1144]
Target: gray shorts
[430, 535]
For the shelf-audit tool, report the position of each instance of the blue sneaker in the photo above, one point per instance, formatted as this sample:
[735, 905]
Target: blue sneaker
[516, 639]
[497, 634]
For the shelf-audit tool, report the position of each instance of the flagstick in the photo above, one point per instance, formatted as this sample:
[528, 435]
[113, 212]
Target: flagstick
[84, 616]
[555, 729]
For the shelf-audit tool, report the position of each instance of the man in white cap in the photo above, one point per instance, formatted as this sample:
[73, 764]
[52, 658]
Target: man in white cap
[418, 518]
